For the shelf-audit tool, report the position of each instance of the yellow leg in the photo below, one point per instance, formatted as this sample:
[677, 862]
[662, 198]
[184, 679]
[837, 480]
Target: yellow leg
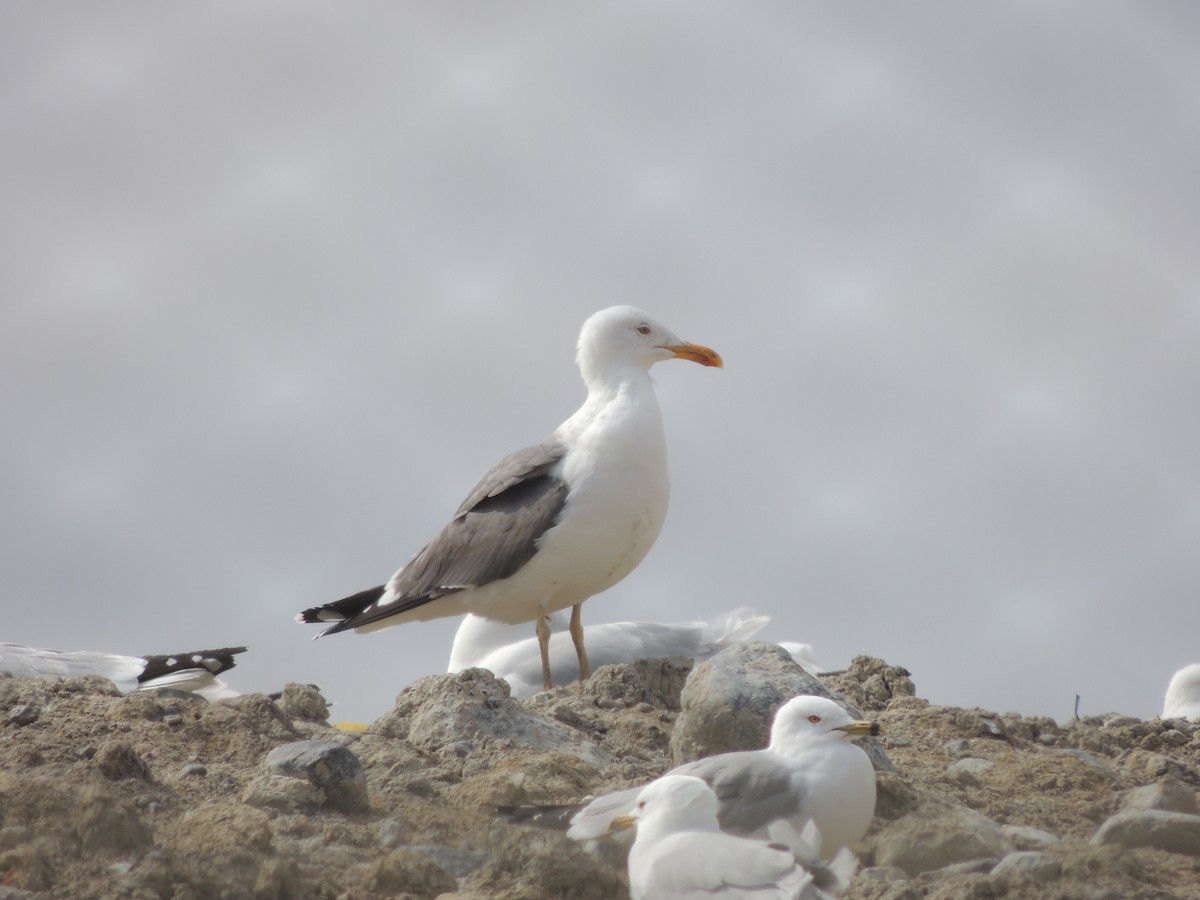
[543, 636]
[585, 670]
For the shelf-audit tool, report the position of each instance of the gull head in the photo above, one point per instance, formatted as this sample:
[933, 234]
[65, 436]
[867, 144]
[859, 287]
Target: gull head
[808, 720]
[621, 337]
[673, 803]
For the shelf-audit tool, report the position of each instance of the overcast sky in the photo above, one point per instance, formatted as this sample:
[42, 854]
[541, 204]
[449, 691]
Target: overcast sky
[282, 280]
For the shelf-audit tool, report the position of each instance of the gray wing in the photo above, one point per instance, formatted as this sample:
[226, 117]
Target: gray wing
[493, 534]
[754, 788]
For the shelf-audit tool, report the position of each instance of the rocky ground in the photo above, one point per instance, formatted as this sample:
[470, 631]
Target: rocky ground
[168, 796]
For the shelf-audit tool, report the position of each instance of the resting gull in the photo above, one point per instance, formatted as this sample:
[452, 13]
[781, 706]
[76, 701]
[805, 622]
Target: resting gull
[1183, 694]
[553, 524]
[509, 652]
[193, 671]
[681, 852]
[810, 788]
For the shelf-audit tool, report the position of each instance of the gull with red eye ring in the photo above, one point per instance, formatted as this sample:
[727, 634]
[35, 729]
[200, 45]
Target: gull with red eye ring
[681, 852]
[810, 788]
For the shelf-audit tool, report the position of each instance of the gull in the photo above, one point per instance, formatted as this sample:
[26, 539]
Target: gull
[193, 671]
[1183, 694]
[811, 788]
[509, 652]
[555, 523]
[681, 852]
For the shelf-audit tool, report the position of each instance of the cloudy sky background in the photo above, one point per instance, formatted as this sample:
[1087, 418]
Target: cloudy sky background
[281, 281]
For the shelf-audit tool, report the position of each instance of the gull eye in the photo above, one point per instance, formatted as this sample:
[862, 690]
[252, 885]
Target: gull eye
[643, 329]
[814, 719]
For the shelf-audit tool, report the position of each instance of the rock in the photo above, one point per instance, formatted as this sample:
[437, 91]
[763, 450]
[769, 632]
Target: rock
[327, 765]
[1041, 867]
[193, 770]
[108, 824]
[936, 836]
[303, 702]
[286, 794]
[390, 833]
[277, 879]
[1025, 837]
[116, 761]
[966, 771]
[654, 682]
[23, 714]
[1168, 793]
[548, 862]
[406, 871]
[475, 706]
[729, 700]
[1171, 831]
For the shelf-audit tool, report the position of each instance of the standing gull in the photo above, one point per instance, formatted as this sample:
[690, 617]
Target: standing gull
[555, 523]
[810, 788]
[680, 851]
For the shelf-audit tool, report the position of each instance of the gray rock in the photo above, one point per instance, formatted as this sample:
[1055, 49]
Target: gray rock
[1026, 837]
[193, 770]
[729, 700]
[1041, 867]
[1168, 793]
[284, 793]
[327, 765]
[957, 747]
[474, 706]
[937, 836]
[967, 771]
[1171, 831]
[23, 714]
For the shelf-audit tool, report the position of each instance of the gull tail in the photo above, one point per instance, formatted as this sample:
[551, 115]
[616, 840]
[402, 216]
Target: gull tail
[736, 627]
[341, 612]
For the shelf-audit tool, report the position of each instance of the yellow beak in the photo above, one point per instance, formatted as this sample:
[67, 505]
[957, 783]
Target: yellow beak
[622, 823]
[862, 729]
[696, 353]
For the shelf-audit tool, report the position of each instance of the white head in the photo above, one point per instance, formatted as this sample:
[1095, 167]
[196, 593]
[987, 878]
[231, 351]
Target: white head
[807, 720]
[1183, 695]
[622, 337]
[676, 803]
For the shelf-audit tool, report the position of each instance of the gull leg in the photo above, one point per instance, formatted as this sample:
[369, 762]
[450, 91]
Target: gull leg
[576, 628]
[543, 636]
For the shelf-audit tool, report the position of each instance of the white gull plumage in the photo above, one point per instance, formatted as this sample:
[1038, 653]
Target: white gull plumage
[680, 851]
[510, 653]
[193, 671]
[1182, 700]
[553, 524]
[810, 788]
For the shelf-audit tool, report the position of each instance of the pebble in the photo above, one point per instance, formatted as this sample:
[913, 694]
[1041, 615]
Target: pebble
[193, 769]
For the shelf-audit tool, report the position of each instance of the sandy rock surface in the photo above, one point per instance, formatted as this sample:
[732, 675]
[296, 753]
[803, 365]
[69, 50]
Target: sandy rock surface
[168, 796]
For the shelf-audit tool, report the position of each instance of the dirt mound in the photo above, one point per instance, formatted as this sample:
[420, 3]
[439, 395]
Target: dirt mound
[168, 796]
